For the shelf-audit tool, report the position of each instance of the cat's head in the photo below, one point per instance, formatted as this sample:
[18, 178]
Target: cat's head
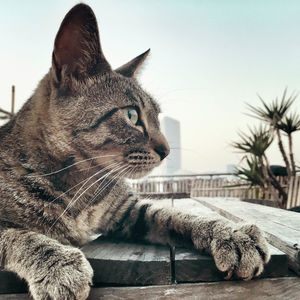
[100, 112]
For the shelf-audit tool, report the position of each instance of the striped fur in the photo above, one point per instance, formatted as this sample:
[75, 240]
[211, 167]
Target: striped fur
[63, 162]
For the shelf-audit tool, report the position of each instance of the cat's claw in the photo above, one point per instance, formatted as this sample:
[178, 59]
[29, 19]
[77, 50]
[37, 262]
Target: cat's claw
[229, 275]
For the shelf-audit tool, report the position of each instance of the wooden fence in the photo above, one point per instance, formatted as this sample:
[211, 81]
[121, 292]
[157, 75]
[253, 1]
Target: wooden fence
[232, 187]
[294, 192]
[164, 187]
[212, 185]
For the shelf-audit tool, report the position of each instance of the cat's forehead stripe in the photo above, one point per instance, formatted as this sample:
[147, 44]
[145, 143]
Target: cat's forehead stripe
[97, 123]
[130, 95]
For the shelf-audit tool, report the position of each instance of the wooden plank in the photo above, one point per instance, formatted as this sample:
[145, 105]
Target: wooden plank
[114, 262]
[163, 195]
[266, 202]
[191, 266]
[193, 207]
[275, 289]
[282, 227]
[264, 289]
[117, 262]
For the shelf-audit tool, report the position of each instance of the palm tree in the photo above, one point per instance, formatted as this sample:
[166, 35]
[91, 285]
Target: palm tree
[289, 125]
[273, 114]
[251, 174]
[256, 144]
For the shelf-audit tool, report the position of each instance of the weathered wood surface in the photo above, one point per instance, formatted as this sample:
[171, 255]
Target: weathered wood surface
[189, 206]
[191, 266]
[266, 202]
[264, 289]
[116, 262]
[275, 289]
[123, 263]
[164, 195]
[282, 227]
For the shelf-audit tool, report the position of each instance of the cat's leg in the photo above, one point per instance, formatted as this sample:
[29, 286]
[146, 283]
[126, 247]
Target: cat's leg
[237, 249]
[52, 270]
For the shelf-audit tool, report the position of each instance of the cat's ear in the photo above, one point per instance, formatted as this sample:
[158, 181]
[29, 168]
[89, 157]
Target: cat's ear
[77, 50]
[130, 69]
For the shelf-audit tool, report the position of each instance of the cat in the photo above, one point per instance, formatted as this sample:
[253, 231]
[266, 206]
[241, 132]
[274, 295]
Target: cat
[63, 163]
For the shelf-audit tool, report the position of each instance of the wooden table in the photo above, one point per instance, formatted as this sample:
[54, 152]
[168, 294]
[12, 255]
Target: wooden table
[158, 272]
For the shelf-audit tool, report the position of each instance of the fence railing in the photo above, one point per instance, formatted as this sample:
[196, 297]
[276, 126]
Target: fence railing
[212, 185]
[164, 187]
[172, 186]
[233, 187]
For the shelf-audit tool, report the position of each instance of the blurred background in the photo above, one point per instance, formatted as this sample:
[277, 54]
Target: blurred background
[208, 58]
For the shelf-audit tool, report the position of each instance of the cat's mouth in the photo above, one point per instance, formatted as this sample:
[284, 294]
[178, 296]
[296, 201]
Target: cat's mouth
[141, 163]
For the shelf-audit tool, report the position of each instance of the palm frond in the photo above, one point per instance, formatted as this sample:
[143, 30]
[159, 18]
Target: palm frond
[290, 123]
[257, 142]
[252, 173]
[274, 112]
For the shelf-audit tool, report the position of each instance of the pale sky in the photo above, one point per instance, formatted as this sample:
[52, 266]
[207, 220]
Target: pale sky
[207, 59]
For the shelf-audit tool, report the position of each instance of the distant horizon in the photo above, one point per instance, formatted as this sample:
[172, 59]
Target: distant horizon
[207, 59]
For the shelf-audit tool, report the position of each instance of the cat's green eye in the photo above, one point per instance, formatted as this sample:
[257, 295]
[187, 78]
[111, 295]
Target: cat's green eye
[132, 115]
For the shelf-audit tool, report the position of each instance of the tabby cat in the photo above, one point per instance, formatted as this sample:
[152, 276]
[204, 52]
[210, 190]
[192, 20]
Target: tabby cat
[63, 163]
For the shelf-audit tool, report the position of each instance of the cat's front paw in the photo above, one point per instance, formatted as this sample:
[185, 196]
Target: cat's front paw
[241, 250]
[68, 278]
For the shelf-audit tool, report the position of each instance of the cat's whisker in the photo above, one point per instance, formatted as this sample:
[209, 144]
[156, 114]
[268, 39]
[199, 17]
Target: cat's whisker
[118, 167]
[73, 201]
[111, 180]
[78, 162]
[186, 149]
[83, 181]
[116, 164]
[101, 184]
[128, 170]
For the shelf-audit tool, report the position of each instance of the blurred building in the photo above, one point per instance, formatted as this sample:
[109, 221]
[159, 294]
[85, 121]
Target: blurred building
[172, 163]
